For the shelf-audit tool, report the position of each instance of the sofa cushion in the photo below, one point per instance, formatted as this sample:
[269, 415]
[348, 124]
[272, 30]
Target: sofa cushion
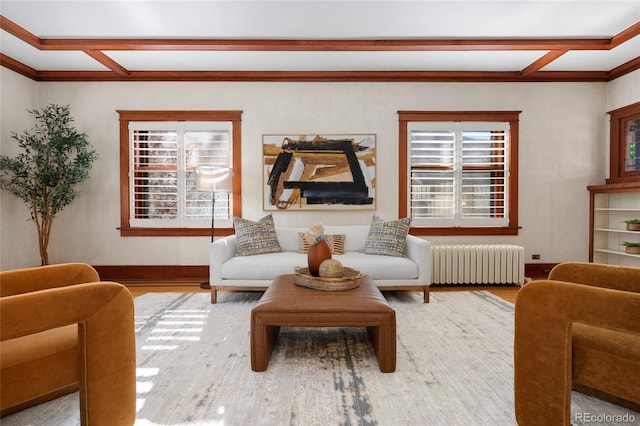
[256, 237]
[307, 239]
[387, 238]
[37, 346]
[380, 267]
[267, 266]
[262, 267]
[595, 347]
[355, 235]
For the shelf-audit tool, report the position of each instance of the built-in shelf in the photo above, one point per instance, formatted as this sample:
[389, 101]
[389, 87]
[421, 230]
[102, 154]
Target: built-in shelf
[622, 231]
[610, 205]
[617, 252]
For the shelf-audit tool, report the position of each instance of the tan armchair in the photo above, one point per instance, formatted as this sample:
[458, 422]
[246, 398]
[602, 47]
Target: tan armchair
[580, 329]
[61, 329]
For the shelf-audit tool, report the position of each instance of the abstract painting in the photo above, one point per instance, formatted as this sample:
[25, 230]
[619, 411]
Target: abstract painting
[319, 171]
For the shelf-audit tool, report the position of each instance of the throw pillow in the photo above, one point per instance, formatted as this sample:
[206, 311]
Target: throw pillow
[256, 237]
[387, 238]
[335, 241]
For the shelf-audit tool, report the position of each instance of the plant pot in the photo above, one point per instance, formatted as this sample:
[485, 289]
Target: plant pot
[633, 226]
[632, 250]
[318, 253]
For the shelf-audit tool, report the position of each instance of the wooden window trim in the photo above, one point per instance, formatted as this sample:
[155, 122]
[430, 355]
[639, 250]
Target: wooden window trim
[127, 116]
[617, 147]
[512, 117]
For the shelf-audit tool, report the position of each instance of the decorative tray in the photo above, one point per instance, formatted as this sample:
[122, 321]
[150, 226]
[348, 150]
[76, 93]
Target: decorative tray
[350, 279]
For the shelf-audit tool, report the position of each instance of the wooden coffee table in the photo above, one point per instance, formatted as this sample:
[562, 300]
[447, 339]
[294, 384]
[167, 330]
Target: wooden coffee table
[286, 304]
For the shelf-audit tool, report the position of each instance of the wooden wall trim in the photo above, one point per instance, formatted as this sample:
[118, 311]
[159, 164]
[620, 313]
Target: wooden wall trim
[170, 274]
[126, 116]
[153, 273]
[538, 270]
[513, 117]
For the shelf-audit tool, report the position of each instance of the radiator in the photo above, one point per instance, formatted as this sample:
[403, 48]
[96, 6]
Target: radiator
[478, 264]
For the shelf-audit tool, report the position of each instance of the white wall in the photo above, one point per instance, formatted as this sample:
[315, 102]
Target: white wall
[562, 150]
[18, 234]
[623, 91]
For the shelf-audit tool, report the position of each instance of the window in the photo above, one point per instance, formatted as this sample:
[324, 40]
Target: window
[625, 144]
[459, 172]
[159, 155]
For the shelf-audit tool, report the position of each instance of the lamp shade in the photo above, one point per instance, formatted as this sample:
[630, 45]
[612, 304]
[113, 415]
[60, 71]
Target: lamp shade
[213, 178]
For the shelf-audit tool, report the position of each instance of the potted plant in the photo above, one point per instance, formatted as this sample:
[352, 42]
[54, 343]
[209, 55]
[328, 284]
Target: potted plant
[633, 224]
[631, 248]
[55, 158]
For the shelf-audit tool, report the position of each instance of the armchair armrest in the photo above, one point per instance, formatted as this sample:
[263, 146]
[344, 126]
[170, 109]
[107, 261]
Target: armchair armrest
[43, 277]
[544, 315]
[419, 250]
[221, 250]
[104, 313]
[598, 275]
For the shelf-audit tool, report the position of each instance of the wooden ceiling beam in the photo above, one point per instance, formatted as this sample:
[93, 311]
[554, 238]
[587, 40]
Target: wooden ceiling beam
[107, 62]
[19, 32]
[18, 67]
[413, 44]
[316, 45]
[625, 68]
[625, 35]
[327, 76]
[96, 47]
[543, 61]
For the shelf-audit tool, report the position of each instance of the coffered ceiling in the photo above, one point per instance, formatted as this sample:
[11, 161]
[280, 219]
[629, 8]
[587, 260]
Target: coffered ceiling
[334, 40]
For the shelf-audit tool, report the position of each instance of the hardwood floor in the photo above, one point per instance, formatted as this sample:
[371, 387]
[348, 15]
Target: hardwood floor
[139, 288]
[507, 292]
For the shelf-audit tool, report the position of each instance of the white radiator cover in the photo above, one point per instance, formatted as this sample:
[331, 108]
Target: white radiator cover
[478, 264]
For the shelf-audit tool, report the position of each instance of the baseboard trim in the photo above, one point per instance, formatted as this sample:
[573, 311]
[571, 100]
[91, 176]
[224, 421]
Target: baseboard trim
[161, 274]
[538, 270]
[170, 274]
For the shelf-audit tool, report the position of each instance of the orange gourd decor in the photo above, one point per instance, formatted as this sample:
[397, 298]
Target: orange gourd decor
[319, 251]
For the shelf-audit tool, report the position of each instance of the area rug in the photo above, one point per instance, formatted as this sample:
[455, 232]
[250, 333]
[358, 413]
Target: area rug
[454, 367]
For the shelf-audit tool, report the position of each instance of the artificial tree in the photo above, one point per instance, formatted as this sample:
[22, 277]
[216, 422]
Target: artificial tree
[55, 158]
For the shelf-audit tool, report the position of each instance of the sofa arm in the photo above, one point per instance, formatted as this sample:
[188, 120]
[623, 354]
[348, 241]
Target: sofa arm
[222, 250]
[419, 251]
[19, 281]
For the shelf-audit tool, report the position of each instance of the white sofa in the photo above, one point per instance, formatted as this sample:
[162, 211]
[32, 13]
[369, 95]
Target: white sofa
[229, 272]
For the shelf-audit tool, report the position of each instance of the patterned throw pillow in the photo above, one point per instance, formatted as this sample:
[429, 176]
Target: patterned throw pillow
[387, 238]
[256, 237]
[336, 242]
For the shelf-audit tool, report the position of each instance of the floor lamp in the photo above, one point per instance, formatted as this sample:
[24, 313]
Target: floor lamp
[213, 179]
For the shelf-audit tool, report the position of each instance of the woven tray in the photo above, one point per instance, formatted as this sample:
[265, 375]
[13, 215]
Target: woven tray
[351, 279]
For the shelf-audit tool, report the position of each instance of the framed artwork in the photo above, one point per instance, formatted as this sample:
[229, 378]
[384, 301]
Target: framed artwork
[319, 171]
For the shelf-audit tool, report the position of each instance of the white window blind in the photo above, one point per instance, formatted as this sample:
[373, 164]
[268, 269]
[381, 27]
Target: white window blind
[458, 173]
[164, 157]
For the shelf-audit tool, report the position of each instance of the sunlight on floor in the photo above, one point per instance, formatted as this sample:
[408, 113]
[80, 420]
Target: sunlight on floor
[176, 326]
